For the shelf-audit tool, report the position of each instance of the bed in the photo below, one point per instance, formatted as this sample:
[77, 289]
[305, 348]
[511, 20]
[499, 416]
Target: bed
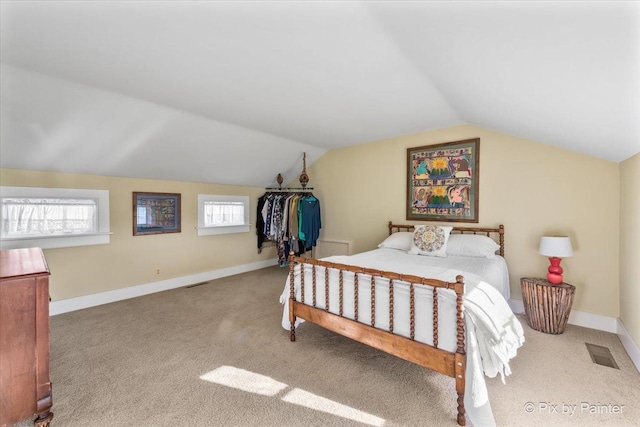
[425, 310]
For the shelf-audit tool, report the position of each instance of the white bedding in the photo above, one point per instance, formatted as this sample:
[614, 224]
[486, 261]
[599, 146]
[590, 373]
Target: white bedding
[493, 271]
[493, 333]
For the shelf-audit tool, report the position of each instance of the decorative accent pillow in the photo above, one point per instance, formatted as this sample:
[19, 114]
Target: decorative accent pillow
[472, 245]
[430, 240]
[400, 240]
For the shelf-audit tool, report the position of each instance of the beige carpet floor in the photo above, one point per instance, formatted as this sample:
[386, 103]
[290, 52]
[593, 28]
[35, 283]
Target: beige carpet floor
[216, 355]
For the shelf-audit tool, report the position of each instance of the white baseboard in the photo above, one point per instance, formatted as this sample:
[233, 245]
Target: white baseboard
[579, 318]
[599, 322]
[86, 301]
[516, 306]
[629, 344]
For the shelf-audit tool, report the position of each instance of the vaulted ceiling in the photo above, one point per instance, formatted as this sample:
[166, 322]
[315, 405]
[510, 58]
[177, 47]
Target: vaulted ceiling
[235, 92]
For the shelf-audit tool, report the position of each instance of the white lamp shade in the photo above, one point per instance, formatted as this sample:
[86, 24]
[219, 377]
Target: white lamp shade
[554, 246]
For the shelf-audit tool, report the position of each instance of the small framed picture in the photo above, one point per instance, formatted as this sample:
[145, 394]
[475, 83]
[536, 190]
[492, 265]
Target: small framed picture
[156, 213]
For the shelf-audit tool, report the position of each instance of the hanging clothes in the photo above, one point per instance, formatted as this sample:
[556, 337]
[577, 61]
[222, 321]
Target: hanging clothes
[291, 220]
[260, 222]
[309, 220]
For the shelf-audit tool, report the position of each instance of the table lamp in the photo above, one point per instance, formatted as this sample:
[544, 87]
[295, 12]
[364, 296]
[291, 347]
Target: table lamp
[556, 248]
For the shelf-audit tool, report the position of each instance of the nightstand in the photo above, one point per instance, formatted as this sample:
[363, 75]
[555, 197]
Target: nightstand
[546, 305]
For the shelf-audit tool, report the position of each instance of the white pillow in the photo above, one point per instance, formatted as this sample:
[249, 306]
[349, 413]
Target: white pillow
[400, 240]
[430, 240]
[472, 245]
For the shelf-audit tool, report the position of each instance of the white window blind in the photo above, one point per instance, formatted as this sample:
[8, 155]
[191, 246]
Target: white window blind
[53, 217]
[34, 217]
[222, 214]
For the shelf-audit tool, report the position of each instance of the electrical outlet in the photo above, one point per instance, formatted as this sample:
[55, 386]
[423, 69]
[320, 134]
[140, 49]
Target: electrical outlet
[157, 272]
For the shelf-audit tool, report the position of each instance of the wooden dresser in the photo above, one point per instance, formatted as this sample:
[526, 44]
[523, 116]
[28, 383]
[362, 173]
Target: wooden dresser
[25, 389]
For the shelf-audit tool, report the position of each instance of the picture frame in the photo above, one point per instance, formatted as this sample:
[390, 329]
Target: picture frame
[443, 182]
[156, 213]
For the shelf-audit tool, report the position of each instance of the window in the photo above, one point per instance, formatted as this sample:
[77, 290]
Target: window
[53, 217]
[218, 214]
[222, 214]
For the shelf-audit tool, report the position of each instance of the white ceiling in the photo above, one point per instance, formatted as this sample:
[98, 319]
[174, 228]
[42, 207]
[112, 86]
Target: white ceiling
[235, 92]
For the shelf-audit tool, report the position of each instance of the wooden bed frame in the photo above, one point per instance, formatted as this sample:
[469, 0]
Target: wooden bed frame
[431, 357]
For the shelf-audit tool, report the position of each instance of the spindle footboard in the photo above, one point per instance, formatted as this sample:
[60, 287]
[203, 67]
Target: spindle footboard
[452, 364]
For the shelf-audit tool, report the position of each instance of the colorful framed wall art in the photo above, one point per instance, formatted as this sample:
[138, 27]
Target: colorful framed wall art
[443, 181]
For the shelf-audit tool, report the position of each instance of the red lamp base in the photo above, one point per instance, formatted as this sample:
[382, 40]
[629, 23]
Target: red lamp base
[554, 279]
[555, 271]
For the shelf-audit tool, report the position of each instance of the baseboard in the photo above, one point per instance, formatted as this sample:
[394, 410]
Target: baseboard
[629, 344]
[579, 318]
[516, 306]
[86, 301]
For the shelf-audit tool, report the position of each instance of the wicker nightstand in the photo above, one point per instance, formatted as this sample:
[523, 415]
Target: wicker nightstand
[546, 305]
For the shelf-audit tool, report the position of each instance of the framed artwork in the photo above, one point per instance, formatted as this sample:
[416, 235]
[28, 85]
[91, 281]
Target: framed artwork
[442, 181]
[156, 213]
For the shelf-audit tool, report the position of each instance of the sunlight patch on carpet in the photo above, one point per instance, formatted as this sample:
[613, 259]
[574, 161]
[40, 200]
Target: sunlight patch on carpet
[244, 380]
[318, 403]
[251, 382]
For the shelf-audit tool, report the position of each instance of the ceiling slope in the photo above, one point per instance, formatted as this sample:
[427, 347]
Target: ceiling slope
[235, 92]
[563, 73]
[58, 125]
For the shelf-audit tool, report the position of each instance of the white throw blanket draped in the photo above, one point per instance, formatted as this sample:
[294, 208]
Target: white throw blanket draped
[493, 333]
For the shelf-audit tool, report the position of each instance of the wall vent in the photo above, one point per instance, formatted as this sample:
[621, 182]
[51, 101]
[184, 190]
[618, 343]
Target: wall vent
[601, 355]
[331, 247]
[196, 284]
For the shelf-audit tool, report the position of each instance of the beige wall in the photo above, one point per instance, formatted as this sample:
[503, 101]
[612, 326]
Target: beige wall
[531, 188]
[630, 245]
[133, 260]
